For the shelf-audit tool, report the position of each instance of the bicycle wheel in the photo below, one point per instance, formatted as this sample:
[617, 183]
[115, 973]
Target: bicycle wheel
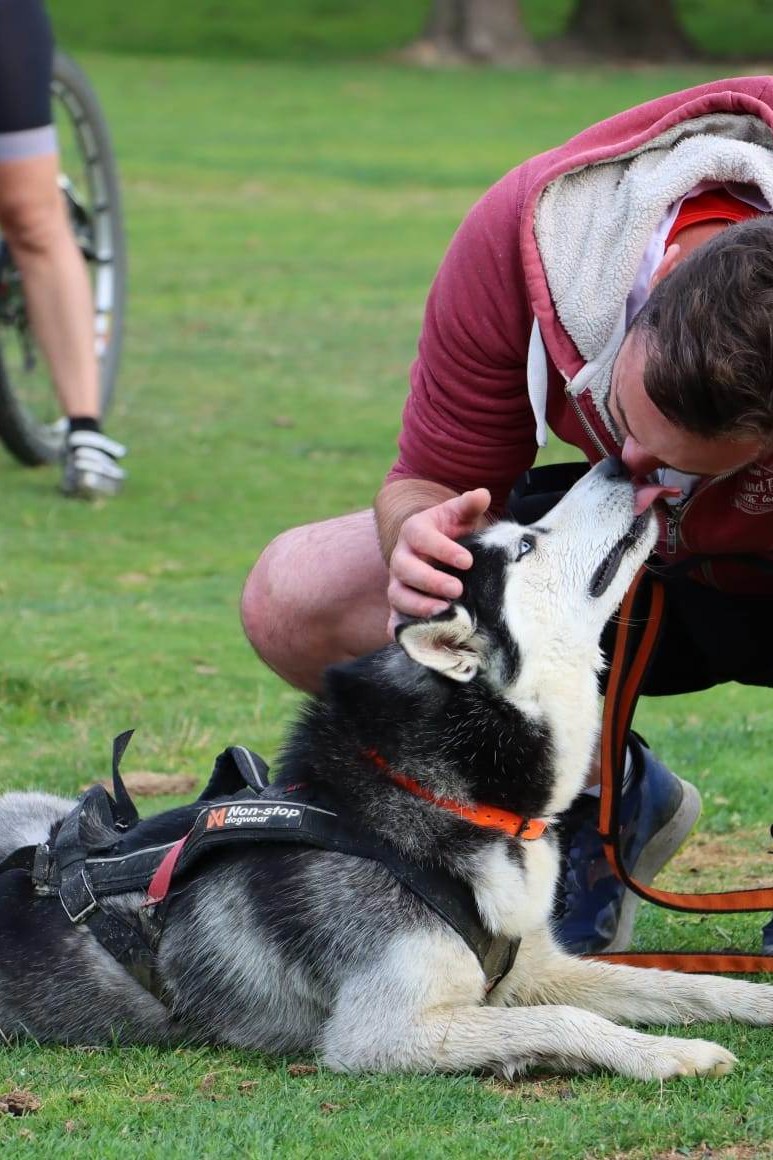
[31, 424]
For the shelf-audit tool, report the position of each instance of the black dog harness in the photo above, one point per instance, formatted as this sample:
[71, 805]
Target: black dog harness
[237, 805]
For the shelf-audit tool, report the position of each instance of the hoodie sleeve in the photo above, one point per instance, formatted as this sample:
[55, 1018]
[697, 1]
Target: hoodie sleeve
[467, 421]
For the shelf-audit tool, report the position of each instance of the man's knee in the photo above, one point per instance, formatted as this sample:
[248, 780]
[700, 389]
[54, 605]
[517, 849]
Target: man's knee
[317, 596]
[269, 598]
[31, 220]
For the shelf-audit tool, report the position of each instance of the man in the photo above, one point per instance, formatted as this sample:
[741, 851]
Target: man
[35, 224]
[619, 290]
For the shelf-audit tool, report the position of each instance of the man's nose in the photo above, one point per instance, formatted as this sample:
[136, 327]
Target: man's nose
[637, 459]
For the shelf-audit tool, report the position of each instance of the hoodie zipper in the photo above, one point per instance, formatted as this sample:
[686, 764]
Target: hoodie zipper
[676, 513]
[672, 527]
[585, 423]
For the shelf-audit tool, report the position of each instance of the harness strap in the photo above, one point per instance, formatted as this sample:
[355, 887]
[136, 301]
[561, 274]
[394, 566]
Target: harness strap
[81, 874]
[161, 882]
[626, 675]
[235, 768]
[132, 947]
[125, 812]
[281, 815]
[83, 879]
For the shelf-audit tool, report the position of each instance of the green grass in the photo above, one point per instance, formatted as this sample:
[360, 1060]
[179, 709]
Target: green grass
[284, 224]
[340, 29]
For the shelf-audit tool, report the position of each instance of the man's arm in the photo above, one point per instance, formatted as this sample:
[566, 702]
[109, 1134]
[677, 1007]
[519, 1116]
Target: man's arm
[468, 420]
[418, 524]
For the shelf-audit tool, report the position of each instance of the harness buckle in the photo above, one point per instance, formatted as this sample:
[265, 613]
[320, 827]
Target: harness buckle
[89, 906]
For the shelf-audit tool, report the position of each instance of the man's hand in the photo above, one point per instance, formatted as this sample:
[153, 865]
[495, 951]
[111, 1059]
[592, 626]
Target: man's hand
[416, 588]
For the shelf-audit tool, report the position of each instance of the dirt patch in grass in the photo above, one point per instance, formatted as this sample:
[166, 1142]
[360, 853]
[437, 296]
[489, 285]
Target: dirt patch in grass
[705, 1152]
[527, 1087]
[143, 783]
[743, 858]
[19, 1102]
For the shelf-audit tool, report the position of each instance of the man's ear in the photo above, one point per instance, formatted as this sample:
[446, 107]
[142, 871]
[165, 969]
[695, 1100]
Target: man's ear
[671, 258]
[446, 643]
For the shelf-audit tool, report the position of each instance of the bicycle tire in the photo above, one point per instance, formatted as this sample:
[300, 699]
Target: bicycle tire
[30, 427]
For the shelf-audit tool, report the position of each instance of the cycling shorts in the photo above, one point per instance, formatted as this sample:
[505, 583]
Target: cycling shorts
[26, 61]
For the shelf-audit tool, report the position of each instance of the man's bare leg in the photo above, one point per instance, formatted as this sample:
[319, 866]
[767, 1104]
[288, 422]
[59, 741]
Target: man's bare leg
[316, 596]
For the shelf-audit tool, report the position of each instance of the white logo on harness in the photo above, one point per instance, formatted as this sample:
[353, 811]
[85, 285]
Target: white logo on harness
[244, 815]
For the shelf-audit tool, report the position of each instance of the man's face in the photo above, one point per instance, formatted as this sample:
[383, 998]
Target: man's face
[650, 440]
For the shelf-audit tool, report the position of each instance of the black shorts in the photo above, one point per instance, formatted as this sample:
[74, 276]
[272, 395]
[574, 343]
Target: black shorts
[26, 58]
[708, 637]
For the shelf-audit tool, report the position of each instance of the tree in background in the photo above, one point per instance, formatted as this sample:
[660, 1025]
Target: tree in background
[634, 29]
[493, 31]
[486, 31]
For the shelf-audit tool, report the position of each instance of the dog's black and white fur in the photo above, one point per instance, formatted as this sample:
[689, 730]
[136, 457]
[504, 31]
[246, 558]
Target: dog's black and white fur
[284, 949]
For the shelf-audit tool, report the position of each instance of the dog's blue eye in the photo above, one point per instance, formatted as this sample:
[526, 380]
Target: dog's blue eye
[526, 545]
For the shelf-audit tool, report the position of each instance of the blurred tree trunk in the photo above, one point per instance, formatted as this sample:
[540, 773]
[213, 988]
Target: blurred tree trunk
[484, 31]
[633, 29]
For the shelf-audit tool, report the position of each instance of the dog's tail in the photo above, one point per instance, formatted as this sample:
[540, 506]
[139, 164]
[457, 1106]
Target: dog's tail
[27, 819]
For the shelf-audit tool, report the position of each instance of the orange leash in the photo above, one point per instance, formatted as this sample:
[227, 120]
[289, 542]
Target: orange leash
[626, 674]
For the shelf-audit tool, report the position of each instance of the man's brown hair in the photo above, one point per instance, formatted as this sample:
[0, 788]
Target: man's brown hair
[708, 330]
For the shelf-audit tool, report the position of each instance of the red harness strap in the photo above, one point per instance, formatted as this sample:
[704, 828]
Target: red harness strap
[161, 881]
[626, 674]
[513, 825]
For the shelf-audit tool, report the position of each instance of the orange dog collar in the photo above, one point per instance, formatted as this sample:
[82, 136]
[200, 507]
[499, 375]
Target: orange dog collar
[513, 825]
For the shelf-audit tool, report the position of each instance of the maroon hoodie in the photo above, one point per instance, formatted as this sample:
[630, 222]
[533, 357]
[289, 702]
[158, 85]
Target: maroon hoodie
[558, 241]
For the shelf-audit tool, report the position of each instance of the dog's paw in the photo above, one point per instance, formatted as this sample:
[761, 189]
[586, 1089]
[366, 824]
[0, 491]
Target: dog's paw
[667, 1057]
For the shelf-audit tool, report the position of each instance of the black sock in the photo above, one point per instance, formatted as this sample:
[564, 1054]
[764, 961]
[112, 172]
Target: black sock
[84, 423]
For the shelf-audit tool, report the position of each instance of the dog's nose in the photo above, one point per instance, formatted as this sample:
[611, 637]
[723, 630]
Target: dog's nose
[614, 468]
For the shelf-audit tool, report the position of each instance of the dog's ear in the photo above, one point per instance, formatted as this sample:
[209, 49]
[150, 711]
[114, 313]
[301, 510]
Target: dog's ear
[446, 643]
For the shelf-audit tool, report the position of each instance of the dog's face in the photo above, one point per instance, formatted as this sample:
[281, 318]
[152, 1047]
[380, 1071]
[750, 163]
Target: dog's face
[538, 596]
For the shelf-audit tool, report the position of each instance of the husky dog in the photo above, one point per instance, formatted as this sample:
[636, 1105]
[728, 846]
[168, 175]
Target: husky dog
[485, 711]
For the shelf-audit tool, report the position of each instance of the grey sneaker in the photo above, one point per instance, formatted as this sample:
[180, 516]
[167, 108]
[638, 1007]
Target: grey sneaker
[91, 467]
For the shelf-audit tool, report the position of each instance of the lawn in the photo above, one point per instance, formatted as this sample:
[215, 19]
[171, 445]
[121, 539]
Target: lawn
[284, 224]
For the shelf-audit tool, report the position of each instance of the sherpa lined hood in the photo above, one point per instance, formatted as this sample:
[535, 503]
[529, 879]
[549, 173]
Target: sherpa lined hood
[594, 203]
[551, 252]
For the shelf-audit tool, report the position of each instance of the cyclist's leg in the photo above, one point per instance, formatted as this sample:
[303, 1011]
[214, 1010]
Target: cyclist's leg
[36, 227]
[34, 223]
[316, 596]
[33, 217]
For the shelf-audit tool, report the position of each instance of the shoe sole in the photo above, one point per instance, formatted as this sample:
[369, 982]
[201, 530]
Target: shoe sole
[84, 490]
[656, 854]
